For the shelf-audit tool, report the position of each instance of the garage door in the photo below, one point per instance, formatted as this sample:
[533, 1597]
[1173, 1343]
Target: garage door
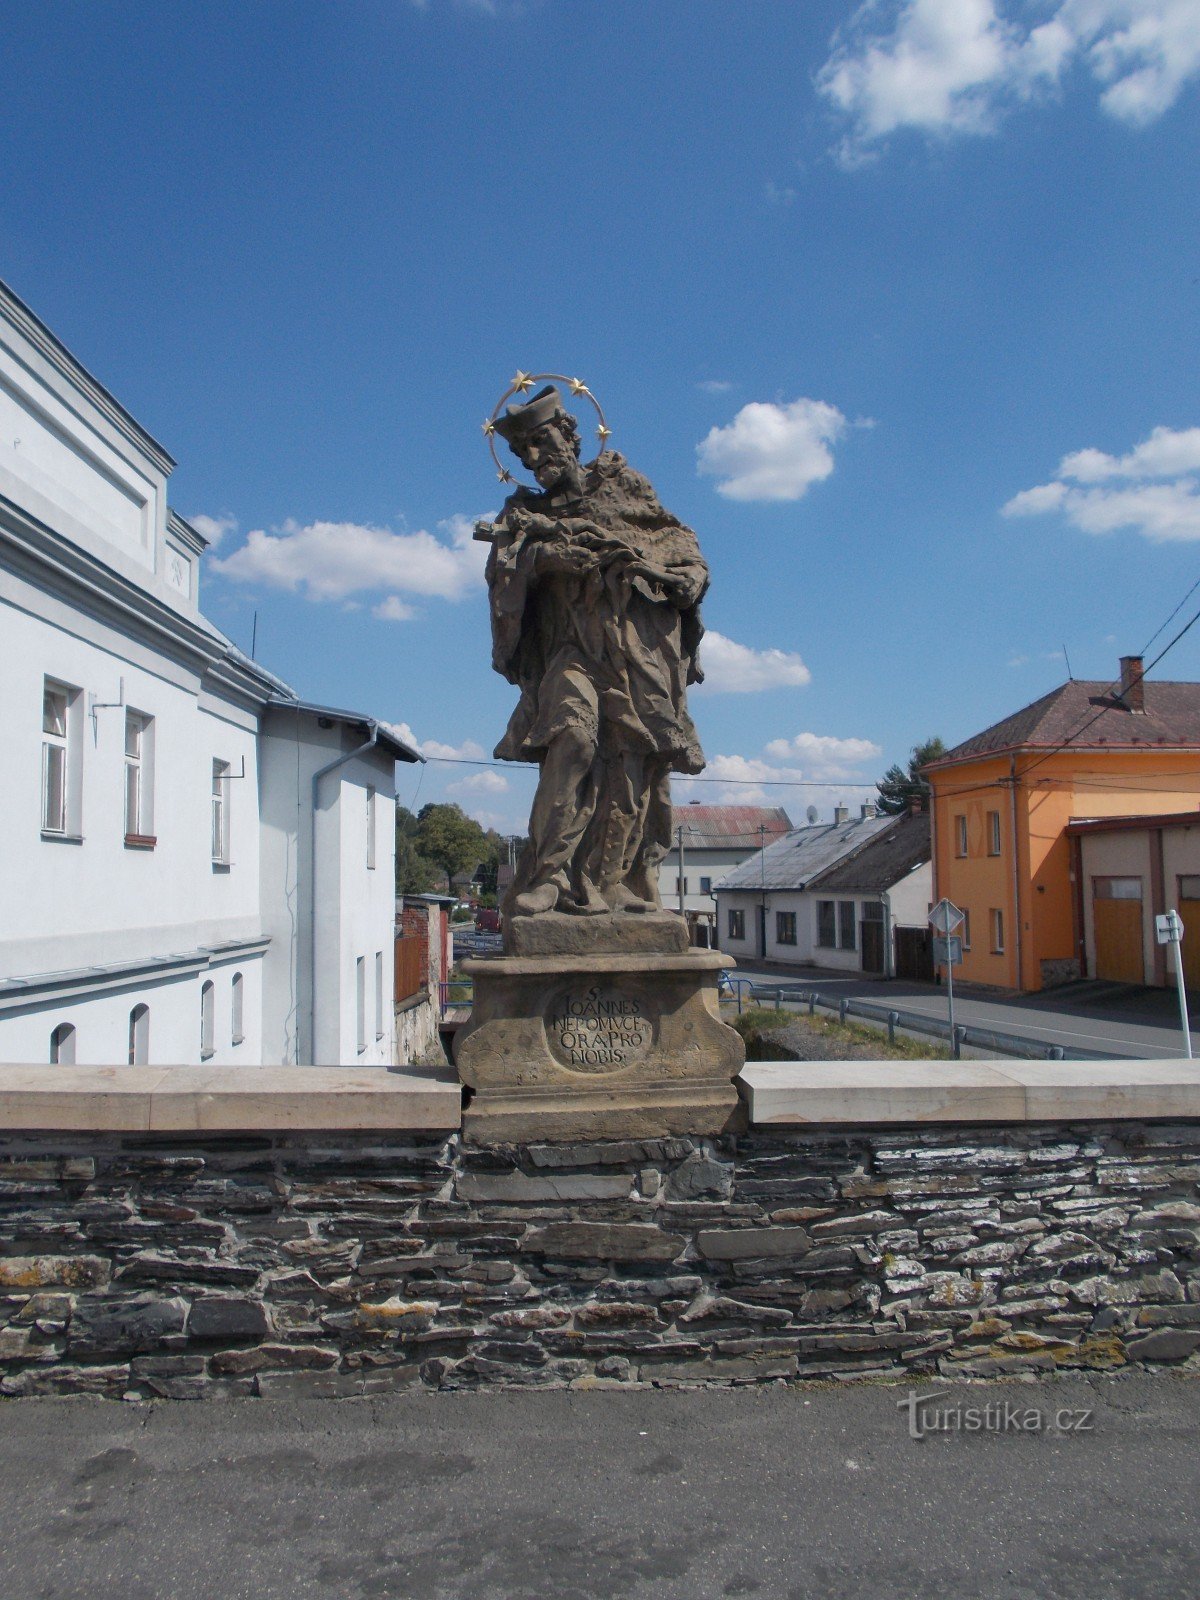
[1117, 904]
[1189, 910]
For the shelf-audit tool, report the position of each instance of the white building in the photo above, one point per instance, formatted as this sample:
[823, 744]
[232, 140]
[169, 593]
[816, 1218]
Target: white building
[709, 842]
[171, 814]
[832, 895]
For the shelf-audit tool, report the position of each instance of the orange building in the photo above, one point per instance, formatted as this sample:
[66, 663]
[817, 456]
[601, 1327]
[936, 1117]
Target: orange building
[1002, 802]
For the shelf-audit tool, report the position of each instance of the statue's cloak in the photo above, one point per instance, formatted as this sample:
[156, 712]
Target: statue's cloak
[600, 651]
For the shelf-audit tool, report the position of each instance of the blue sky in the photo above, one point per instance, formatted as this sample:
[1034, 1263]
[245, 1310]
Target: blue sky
[899, 308]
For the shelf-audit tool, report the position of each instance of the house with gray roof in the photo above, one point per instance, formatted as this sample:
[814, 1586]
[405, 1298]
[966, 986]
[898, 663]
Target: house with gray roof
[708, 842]
[831, 895]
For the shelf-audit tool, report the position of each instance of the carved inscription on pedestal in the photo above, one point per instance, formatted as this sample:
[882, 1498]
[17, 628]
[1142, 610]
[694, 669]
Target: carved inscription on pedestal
[598, 1027]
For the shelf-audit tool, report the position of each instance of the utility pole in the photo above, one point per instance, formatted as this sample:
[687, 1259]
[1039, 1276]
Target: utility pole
[762, 888]
[679, 831]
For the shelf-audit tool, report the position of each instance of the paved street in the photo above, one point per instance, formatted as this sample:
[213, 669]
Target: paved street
[1111, 1019]
[527, 1496]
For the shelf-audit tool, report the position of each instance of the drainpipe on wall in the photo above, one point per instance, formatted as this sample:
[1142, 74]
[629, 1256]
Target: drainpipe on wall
[321, 772]
[1016, 870]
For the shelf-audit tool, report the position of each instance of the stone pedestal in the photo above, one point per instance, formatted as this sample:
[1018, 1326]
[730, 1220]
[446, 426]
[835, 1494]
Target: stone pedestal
[608, 1038]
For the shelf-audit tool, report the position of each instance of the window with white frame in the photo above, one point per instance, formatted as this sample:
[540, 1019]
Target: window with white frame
[62, 1045]
[139, 783]
[238, 1008]
[220, 813]
[997, 920]
[960, 836]
[360, 989]
[58, 776]
[785, 927]
[993, 833]
[139, 1036]
[371, 828]
[847, 930]
[379, 994]
[681, 886]
[736, 923]
[705, 885]
[827, 924]
[965, 930]
[207, 1021]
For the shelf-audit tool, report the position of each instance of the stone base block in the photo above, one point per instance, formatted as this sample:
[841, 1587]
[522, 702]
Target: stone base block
[555, 933]
[630, 1045]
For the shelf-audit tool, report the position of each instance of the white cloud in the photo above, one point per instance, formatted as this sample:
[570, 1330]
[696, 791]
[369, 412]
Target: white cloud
[214, 529]
[772, 452]
[731, 668]
[1167, 453]
[957, 66]
[775, 779]
[822, 755]
[333, 560]
[778, 194]
[468, 750]
[393, 609]
[485, 782]
[1159, 496]
[714, 385]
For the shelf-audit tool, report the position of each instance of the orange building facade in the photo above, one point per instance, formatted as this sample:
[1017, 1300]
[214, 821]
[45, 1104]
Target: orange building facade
[1002, 803]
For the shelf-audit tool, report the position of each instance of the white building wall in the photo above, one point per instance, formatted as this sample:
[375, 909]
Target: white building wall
[354, 904]
[911, 899]
[742, 950]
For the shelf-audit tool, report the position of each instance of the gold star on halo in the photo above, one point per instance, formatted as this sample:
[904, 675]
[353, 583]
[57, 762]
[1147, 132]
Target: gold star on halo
[504, 476]
[522, 382]
[603, 433]
[578, 386]
[489, 427]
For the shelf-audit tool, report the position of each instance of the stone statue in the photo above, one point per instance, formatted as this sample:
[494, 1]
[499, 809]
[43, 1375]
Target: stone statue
[594, 592]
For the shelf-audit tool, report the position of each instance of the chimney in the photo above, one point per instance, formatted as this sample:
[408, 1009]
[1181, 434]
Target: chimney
[916, 804]
[840, 814]
[867, 810]
[1133, 688]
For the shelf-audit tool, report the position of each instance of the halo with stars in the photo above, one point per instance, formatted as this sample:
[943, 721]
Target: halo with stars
[521, 384]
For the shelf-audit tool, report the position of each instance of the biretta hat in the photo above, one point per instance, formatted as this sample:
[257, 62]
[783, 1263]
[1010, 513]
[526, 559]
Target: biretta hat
[519, 420]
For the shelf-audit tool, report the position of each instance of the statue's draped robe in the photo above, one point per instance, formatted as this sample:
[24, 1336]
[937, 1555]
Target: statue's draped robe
[599, 652]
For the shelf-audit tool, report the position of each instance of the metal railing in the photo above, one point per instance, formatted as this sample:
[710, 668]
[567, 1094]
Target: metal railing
[455, 995]
[892, 1018]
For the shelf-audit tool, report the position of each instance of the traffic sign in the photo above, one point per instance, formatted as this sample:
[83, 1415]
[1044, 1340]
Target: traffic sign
[946, 917]
[947, 952]
[1169, 928]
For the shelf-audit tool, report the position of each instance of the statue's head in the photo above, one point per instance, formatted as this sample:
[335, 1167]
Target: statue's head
[544, 438]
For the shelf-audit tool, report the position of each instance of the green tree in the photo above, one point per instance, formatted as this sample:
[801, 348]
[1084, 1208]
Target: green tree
[414, 874]
[898, 788]
[447, 836]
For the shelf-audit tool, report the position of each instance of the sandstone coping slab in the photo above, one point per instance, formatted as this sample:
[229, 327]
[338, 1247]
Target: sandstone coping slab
[227, 1099]
[804, 1093]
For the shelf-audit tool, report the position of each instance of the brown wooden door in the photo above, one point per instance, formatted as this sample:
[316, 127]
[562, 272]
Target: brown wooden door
[1189, 910]
[914, 954]
[1119, 951]
[871, 944]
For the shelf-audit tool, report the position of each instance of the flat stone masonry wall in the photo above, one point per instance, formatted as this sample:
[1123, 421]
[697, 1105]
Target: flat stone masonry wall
[227, 1264]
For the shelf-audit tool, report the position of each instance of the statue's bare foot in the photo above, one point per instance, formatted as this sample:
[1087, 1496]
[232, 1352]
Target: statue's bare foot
[544, 897]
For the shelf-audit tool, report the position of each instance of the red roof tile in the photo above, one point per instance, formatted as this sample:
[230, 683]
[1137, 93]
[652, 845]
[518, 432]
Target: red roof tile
[1090, 715]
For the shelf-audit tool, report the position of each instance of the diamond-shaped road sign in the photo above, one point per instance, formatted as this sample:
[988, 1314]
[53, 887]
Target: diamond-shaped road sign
[1169, 928]
[945, 917]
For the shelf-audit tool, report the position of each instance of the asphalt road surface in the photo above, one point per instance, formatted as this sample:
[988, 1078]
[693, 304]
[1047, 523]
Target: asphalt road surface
[1110, 1019]
[775, 1492]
